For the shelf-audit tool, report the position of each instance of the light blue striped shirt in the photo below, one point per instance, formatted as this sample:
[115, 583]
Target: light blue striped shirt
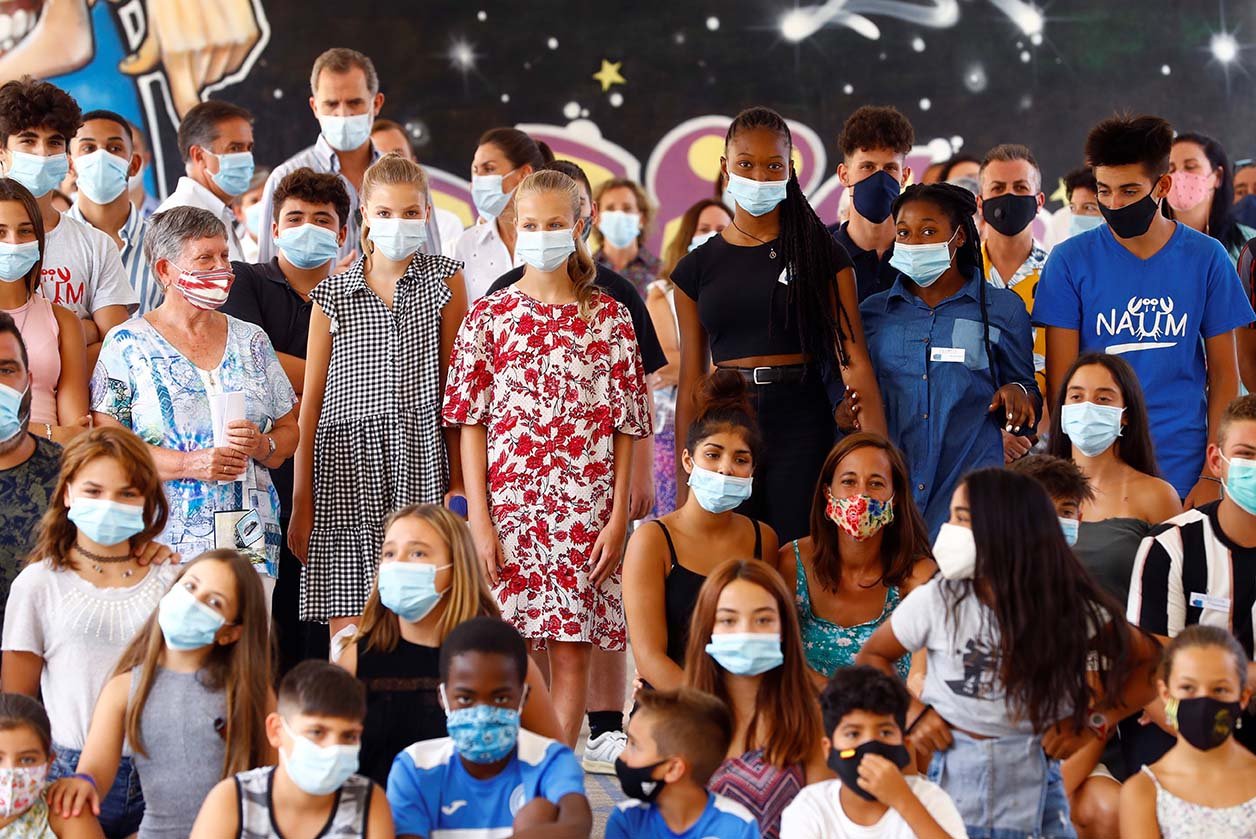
[145, 285]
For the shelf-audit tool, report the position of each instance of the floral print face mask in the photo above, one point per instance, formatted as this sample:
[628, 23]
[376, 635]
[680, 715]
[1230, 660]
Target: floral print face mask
[20, 788]
[860, 515]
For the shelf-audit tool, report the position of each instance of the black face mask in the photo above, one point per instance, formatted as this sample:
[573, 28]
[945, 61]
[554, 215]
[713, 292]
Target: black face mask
[845, 762]
[588, 228]
[1132, 220]
[1204, 722]
[1009, 214]
[636, 781]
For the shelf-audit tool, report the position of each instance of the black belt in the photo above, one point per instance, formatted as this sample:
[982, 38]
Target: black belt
[784, 374]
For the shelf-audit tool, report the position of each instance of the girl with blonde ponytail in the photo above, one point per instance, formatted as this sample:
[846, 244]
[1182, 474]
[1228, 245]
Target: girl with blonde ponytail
[547, 385]
[381, 335]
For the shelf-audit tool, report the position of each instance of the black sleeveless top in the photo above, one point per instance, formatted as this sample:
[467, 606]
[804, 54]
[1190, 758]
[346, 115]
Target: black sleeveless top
[680, 594]
[402, 703]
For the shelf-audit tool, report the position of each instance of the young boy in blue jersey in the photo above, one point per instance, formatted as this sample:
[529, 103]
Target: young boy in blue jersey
[487, 778]
[676, 741]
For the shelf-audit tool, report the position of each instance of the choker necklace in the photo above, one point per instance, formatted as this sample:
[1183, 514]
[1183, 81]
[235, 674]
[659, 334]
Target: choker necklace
[771, 253]
[99, 561]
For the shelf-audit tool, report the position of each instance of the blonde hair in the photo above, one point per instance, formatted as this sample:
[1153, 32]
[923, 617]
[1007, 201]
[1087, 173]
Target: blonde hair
[468, 595]
[580, 267]
[390, 170]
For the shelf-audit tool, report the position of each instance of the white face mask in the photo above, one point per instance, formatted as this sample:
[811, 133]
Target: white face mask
[955, 551]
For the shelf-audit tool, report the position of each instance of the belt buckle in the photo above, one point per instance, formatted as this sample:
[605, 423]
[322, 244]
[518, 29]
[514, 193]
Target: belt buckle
[754, 376]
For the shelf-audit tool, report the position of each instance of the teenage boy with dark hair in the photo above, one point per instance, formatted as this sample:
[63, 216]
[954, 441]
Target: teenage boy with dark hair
[1155, 291]
[488, 777]
[314, 791]
[1065, 482]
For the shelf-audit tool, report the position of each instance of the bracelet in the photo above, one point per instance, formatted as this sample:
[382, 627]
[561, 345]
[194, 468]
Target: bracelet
[918, 718]
[1210, 478]
[48, 431]
[83, 776]
[1022, 387]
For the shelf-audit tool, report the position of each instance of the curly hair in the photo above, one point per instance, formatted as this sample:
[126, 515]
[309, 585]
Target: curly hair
[876, 127]
[33, 103]
[305, 184]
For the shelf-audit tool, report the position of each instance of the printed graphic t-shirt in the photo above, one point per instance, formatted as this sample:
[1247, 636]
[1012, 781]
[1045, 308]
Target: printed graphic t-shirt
[82, 270]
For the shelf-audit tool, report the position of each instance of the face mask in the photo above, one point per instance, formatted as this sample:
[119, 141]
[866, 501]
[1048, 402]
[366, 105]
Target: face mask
[1204, 722]
[618, 228]
[235, 171]
[1071, 528]
[253, 219]
[206, 290]
[701, 239]
[545, 250]
[20, 788]
[187, 623]
[319, 770]
[1132, 220]
[136, 181]
[1188, 190]
[638, 781]
[955, 552]
[1080, 224]
[923, 264]
[746, 653]
[587, 231]
[873, 197]
[718, 493]
[398, 239]
[845, 763]
[15, 411]
[16, 261]
[486, 193]
[482, 733]
[1240, 483]
[1009, 214]
[1245, 210]
[346, 133]
[861, 516]
[755, 197]
[408, 589]
[1092, 428]
[106, 522]
[41, 175]
[308, 246]
[101, 176]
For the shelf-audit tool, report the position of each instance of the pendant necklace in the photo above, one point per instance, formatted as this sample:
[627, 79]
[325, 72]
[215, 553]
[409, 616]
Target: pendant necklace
[99, 562]
[771, 252]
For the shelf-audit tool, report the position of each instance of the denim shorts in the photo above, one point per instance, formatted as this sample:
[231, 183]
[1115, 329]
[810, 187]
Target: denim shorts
[122, 809]
[1004, 787]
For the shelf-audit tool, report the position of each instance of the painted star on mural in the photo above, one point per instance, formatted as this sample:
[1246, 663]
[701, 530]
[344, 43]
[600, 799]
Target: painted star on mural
[609, 74]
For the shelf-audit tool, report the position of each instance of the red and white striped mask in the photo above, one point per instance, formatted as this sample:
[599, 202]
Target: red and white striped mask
[205, 289]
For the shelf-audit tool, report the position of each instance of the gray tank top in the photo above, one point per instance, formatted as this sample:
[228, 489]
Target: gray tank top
[180, 726]
[348, 817]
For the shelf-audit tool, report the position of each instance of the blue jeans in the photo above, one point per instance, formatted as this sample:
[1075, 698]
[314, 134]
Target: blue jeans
[122, 808]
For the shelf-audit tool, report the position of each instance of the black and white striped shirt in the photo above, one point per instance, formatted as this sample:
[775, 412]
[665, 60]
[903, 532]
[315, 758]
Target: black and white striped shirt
[1189, 572]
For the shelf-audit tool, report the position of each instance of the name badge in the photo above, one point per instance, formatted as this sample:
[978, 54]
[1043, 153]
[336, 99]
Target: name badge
[950, 354]
[1207, 601]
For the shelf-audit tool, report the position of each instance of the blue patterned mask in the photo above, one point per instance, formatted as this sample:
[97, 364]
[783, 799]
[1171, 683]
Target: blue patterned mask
[482, 733]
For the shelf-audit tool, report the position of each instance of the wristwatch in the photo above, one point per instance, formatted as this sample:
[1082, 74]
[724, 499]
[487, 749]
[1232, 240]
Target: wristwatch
[271, 441]
[1098, 723]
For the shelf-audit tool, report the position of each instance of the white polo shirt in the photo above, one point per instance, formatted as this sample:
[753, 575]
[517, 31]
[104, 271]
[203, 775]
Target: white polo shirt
[189, 193]
[484, 257]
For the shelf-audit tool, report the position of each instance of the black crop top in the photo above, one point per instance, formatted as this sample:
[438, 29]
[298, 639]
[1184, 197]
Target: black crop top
[743, 300]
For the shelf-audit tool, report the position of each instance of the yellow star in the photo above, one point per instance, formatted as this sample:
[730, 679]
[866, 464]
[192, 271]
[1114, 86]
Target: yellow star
[609, 74]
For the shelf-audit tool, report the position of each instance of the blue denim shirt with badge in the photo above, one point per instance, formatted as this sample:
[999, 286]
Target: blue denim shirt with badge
[936, 381]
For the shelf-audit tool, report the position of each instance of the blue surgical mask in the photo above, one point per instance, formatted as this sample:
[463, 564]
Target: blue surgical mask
[319, 770]
[15, 412]
[1092, 428]
[1071, 528]
[253, 219]
[755, 197]
[346, 133]
[618, 228]
[873, 197]
[235, 172]
[41, 175]
[187, 623]
[718, 493]
[408, 589]
[487, 194]
[923, 264]
[398, 239]
[701, 239]
[1080, 224]
[309, 245]
[106, 522]
[1240, 483]
[746, 653]
[16, 261]
[482, 733]
[101, 176]
[545, 250]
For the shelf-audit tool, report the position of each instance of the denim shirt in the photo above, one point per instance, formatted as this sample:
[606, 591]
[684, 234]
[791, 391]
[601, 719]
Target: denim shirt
[937, 383]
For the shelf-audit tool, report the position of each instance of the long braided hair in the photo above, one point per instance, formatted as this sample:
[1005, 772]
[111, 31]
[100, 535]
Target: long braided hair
[809, 254]
[959, 205]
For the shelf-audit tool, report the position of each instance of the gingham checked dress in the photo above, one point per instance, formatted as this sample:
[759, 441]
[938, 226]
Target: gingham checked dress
[378, 446]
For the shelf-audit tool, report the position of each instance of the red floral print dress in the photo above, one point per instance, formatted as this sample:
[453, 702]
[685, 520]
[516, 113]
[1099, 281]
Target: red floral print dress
[552, 389]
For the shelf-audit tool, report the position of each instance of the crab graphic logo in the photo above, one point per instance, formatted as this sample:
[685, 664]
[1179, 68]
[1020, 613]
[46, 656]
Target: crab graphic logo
[1148, 320]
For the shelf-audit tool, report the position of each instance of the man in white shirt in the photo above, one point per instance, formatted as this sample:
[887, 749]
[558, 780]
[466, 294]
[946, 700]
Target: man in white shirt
[216, 144]
[104, 160]
[81, 267]
[389, 137]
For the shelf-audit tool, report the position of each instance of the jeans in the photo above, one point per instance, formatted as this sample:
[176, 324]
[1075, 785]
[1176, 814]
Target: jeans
[122, 807]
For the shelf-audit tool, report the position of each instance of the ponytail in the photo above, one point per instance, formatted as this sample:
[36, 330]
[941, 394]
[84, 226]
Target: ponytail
[724, 405]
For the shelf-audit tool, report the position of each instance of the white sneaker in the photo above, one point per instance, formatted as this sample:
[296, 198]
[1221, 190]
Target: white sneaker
[600, 752]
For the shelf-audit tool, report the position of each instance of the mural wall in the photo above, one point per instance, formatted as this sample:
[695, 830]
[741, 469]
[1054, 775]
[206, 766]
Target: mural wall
[645, 89]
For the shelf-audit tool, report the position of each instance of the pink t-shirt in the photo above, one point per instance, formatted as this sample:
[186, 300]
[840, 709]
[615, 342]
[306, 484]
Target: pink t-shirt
[42, 336]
